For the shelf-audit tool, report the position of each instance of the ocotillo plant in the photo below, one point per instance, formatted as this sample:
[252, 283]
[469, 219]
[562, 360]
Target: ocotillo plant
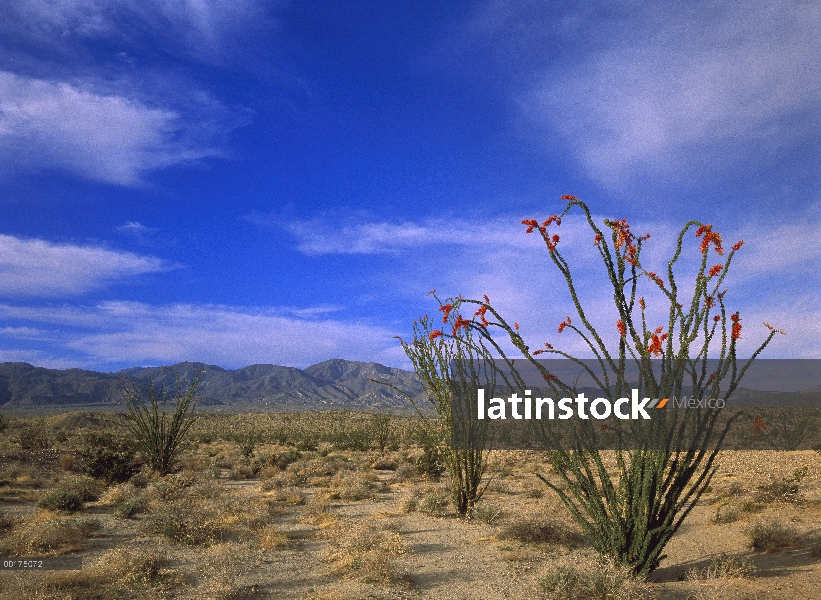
[159, 433]
[631, 516]
[451, 364]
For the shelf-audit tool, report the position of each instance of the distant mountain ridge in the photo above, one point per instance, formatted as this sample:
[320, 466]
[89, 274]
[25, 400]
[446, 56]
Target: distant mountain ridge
[332, 384]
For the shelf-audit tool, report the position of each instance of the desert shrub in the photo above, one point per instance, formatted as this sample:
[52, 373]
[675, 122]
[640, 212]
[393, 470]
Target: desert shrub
[119, 493]
[605, 581]
[405, 472]
[724, 566]
[269, 537]
[289, 495]
[771, 536]
[40, 535]
[187, 523]
[431, 500]
[131, 507]
[66, 462]
[367, 552]
[160, 434]
[130, 566]
[381, 432]
[240, 472]
[87, 488]
[283, 459]
[487, 513]
[539, 531]
[385, 464]
[59, 500]
[785, 489]
[431, 463]
[350, 485]
[109, 458]
[171, 487]
[33, 435]
[223, 566]
[4, 421]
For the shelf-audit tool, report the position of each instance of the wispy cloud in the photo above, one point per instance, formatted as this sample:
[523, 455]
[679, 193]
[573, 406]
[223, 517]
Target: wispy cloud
[129, 333]
[209, 30]
[41, 268]
[498, 259]
[109, 138]
[321, 236]
[686, 86]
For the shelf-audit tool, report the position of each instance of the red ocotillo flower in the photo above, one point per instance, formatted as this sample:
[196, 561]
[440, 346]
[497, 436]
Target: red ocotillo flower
[738, 245]
[656, 278]
[641, 303]
[549, 377]
[621, 327]
[460, 322]
[435, 334]
[597, 239]
[563, 324]
[715, 270]
[759, 425]
[654, 347]
[531, 224]
[736, 319]
[446, 308]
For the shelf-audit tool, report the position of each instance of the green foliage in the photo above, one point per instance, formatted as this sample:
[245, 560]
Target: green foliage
[33, 436]
[60, 500]
[131, 507]
[631, 516]
[160, 434]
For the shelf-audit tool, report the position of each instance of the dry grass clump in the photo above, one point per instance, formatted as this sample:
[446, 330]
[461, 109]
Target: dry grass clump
[540, 531]
[66, 461]
[269, 537]
[224, 566]
[771, 536]
[318, 512]
[47, 534]
[367, 553]
[188, 521]
[404, 472]
[724, 566]
[351, 485]
[242, 472]
[119, 493]
[599, 581]
[289, 495]
[487, 513]
[432, 500]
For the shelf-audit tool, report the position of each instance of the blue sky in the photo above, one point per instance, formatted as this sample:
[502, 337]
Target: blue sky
[274, 182]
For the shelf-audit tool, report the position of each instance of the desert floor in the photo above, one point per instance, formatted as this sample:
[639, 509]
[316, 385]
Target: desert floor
[252, 515]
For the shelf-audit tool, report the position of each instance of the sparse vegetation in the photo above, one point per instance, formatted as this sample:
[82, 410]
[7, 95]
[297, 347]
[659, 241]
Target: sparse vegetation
[771, 536]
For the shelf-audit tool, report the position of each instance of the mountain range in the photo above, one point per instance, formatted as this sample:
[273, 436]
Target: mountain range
[333, 384]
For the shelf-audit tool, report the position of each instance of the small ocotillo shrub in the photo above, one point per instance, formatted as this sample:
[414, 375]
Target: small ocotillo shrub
[158, 432]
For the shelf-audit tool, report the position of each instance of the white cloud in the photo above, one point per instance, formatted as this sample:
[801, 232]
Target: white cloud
[210, 30]
[41, 268]
[136, 333]
[109, 138]
[678, 86]
[496, 258]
